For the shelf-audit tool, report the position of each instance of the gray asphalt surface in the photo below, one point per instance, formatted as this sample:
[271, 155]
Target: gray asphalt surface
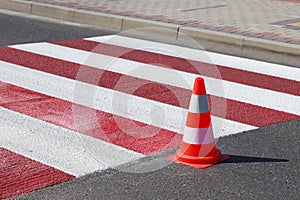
[264, 164]
[21, 28]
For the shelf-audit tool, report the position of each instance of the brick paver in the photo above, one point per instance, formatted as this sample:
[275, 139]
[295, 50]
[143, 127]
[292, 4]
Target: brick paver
[266, 19]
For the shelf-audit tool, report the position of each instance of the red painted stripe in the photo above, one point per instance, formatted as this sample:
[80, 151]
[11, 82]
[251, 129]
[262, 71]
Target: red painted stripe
[247, 113]
[236, 111]
[181, 64]
[19, 175]
[117, 130]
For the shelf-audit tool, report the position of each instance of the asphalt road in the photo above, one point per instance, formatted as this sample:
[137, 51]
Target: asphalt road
[21, 28]
[264, 164]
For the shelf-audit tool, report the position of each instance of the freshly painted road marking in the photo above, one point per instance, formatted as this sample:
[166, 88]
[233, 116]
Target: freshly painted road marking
[30, 77]
[19, 174]
[234, 91]
[203, 56]
[129, 61]
[191, 66]
[66, 150]
[98, 124]
[99, 102]
[136, 108]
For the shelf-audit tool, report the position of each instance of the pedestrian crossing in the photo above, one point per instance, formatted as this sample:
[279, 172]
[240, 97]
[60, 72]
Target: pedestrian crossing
[85, 105]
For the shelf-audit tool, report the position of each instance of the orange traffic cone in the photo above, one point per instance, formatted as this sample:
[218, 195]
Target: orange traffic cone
[198, 147]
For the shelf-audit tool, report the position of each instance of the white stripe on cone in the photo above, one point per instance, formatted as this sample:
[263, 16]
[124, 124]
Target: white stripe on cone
[198, 135]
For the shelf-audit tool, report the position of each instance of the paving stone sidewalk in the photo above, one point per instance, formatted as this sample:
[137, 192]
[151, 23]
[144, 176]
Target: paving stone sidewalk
[277, 20]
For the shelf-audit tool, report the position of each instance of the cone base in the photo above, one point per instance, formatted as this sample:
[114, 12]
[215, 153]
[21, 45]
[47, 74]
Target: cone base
[198, 162]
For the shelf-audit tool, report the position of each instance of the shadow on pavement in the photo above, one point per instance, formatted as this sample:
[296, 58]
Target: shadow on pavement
[248, 159]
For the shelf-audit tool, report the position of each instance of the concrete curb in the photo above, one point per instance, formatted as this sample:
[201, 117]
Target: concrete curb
[235, 44]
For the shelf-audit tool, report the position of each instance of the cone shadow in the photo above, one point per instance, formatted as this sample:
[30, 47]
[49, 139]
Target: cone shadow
[248, 159]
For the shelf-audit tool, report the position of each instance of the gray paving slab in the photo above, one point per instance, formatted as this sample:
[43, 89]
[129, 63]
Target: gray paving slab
[264, 164]
[256, 16]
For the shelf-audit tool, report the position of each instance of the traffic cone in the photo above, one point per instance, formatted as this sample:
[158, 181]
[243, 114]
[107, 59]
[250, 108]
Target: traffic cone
[198, 147]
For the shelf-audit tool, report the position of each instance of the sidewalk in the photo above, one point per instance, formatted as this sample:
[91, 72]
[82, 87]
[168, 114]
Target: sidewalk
[273, 25]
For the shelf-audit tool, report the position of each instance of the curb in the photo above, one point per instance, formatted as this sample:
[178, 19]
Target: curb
[238, 45]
